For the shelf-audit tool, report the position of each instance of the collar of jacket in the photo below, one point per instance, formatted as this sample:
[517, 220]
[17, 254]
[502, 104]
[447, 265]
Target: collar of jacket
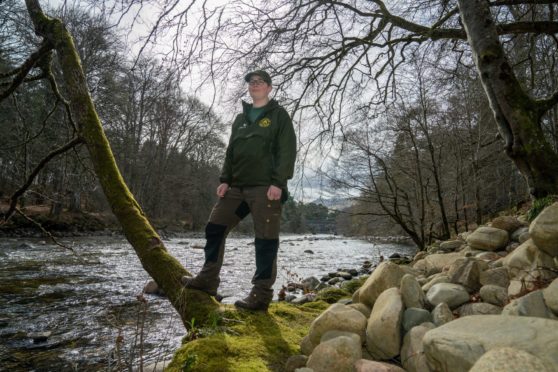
[270, 106]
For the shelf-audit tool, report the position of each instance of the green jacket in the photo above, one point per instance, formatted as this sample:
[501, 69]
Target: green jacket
[261, 152]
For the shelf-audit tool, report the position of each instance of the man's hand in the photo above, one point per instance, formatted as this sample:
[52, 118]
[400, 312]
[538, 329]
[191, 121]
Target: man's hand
[222, 190]
[274, 193]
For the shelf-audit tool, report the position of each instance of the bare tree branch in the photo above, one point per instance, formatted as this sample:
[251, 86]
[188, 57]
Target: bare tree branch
[47, 69]
[27, 80]
[157, 25]
[45, 231]
[546, 104]
[39, 132]
[519, 2]
[518, 28]
[435, 33]
[24, 69]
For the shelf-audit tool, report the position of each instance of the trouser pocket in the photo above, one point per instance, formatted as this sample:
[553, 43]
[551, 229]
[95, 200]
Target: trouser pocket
[267, 219]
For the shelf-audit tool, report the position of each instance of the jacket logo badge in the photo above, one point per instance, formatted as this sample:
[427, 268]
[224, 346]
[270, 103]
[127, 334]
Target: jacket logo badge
[264, 123]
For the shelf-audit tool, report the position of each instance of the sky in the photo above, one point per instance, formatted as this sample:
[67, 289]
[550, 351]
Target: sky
[308, 185]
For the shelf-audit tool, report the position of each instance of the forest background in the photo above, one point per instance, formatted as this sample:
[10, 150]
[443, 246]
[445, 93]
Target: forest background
[404, 134]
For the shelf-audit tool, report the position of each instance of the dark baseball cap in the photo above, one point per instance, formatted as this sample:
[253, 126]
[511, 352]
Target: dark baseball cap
[261, 73]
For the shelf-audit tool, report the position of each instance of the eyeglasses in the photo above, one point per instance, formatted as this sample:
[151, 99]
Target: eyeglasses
[256, 82]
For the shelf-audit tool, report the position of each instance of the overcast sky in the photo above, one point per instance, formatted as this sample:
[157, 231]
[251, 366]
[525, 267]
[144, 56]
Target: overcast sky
[308, 184]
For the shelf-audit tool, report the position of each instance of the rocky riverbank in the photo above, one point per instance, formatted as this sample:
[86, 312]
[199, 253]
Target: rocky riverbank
[78, 224]
[486, 301]
[65, 224]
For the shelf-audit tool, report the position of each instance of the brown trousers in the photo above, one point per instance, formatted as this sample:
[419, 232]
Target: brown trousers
[226, 214]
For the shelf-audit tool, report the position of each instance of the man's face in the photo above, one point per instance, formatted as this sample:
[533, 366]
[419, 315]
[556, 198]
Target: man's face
[258, 88]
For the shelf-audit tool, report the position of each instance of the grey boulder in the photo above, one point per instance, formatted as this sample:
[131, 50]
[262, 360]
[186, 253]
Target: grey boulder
[544, 230]
[412, 355]
[466, 271]
[387, 275]
[532, 305]
[550, 295]
[453, 295]
[488, 239]
[411, 292]
[441, 314]
[498, 276]
[337, 354]
[457, 345]
[413, 317]
[494, 295]
[383, 332]
[337, 317]
[478, 308]
[509, 359]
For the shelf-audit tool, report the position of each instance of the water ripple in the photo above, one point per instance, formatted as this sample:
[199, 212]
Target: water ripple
[87, 303]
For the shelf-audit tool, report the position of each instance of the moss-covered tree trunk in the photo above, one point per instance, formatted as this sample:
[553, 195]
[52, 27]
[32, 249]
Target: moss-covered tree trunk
[162, 267]
[518, 116]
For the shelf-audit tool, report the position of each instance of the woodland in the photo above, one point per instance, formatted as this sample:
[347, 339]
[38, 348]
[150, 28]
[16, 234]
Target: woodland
[430, 114]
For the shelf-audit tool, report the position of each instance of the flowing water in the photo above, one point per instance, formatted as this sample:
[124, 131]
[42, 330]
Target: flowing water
[90, 302]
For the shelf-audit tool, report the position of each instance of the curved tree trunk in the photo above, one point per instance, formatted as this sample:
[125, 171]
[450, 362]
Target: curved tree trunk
[155, 259]
[517, 115]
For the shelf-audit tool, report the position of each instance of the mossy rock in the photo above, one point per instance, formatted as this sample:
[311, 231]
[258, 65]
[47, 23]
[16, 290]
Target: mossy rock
[332, 294]
[19, 286]
[246, 341]
[352, 285]
[538, 206]
[317, 304]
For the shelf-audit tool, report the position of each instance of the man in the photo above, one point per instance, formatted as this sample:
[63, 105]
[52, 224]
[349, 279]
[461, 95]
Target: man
[259, 160]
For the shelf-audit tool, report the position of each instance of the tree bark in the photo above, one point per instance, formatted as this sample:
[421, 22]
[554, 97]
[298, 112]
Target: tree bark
[517, 115]
[155, 259]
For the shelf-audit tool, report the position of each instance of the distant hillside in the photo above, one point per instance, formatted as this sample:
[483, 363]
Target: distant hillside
[337, 203]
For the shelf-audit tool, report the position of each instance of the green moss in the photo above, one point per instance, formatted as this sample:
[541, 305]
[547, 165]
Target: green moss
[246, 341]
[318, 305]
[539, 205]
[332, 294]
[352, 285]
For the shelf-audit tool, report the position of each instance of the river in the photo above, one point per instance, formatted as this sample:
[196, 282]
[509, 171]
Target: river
[89, 301]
